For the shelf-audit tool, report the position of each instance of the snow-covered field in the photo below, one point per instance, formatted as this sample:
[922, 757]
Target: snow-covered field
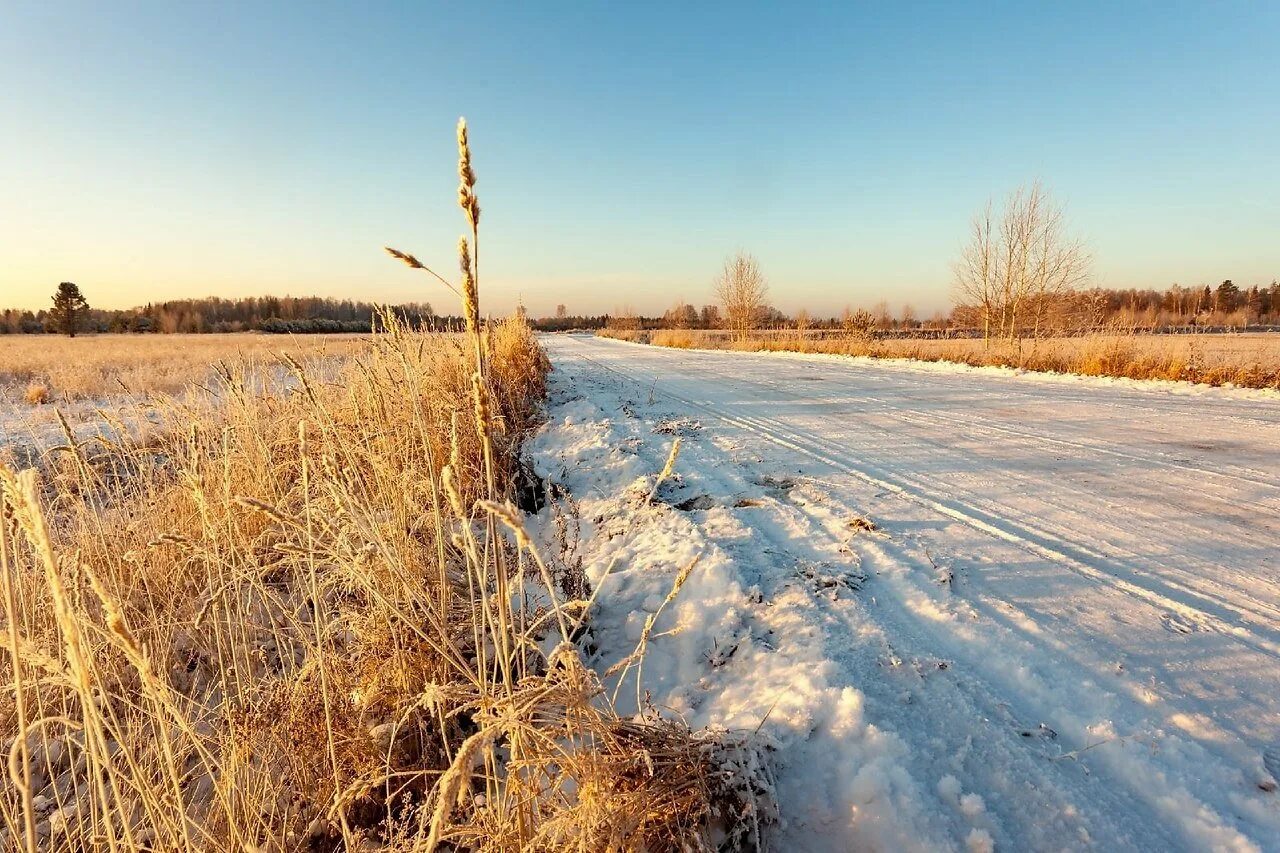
[27, 431]
[971, 609]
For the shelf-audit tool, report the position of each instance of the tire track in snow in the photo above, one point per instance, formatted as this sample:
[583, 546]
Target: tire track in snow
[1027, 537]
[916, 416]
[991, 522]
[1066, 387]
[1261, 612]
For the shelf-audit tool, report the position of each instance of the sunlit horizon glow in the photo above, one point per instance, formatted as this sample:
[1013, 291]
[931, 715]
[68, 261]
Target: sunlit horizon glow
[165, 151]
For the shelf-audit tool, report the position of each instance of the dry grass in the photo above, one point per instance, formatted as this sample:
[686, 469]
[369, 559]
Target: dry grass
[1244, 360]
[633, 335]
[102, 366]
[315, 622]
[37, 393]
[678, 338]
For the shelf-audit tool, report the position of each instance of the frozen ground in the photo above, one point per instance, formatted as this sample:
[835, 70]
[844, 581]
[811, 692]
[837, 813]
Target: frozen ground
[26, 431]
[972, 609]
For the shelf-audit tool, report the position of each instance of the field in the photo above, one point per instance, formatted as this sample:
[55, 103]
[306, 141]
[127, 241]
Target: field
[494, 592]
[1216, 351]
[106, 385]
[55, 368]
[835, 604]
[1250, 360]
[316, 539]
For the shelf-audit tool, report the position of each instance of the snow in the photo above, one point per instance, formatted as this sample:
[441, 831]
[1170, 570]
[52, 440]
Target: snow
[1059, 630]
[27, 431]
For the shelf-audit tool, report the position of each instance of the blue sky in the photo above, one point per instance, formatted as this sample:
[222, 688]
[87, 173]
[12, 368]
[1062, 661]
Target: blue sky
[162, 150]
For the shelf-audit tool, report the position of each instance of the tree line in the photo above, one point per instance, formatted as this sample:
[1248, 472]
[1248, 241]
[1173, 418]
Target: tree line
[1021, 274]
[1224, 306]
[71, 313]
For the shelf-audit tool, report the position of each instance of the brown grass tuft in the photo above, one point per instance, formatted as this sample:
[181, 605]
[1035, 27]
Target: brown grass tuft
[36, 393]
[636, 336]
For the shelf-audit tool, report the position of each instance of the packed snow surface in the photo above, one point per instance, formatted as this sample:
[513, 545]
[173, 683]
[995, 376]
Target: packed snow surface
[971, 610]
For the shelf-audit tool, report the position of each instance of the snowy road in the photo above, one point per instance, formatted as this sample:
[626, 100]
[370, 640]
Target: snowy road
[1063, 631]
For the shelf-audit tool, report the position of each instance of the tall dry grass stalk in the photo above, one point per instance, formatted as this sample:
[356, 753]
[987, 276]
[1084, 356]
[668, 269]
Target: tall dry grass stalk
[316, 622]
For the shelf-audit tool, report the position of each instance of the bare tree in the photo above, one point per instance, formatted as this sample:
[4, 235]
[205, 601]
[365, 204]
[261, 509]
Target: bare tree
[741, 289]
[803, 321]
[975, 271]
[883, 317]
[1015, 271]
[624, 318]
[681, 316]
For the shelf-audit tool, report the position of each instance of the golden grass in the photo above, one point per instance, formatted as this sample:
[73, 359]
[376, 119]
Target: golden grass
[633, 335]
[1244, 360]
[103, 366]
[678, 338]
[36, 394]
[314, 621]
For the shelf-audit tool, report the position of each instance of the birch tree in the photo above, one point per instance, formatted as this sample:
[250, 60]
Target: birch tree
[1016, 268]
[741, 289]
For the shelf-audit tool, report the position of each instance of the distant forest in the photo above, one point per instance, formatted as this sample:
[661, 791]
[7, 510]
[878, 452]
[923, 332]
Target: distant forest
[1225, 306]
[276, 314]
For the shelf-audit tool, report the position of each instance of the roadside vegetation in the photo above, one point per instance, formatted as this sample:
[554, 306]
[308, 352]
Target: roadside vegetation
[315, 621]
[1246, 361]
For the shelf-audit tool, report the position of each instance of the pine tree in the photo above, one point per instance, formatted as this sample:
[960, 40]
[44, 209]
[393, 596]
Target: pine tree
[1227, 297]
[68, 304]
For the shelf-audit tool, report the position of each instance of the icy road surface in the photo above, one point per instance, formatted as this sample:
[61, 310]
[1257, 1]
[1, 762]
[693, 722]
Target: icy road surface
[974, 610]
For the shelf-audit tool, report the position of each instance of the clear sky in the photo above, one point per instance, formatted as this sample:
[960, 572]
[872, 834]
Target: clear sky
[171, 149]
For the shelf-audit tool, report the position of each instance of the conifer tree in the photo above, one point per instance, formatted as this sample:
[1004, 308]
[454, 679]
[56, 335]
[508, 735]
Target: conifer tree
[68, 304]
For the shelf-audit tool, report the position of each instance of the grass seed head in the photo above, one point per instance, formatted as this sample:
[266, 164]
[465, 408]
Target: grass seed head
[467, 178]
